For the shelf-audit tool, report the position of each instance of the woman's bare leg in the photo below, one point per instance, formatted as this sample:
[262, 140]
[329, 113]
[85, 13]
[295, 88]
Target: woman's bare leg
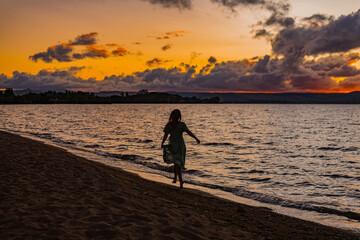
[175, 173]
[180, 177]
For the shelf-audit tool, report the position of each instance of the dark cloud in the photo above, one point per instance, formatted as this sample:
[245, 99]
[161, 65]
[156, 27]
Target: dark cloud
[92, 52]
[318, 19]
[344, 71]
[85, 39]
[279, 19]
[212, 60]
[120, 51]
[180, 4]
[162, 38]
[176, 33]
[336, 66]
[262, 33]
[194, 55]
[155, 62]
[278, 11]
[262, 66]
[75, 69]
[168, 35]
[331, 62]
[232, 4]
[349, 84]
[64, 52]
[279, 14]
[48, 80]
[335, 38]
[57, 52]
[112, 45]
[340, 35]
[166, 47]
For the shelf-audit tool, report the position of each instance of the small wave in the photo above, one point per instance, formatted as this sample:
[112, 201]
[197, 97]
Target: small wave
[256, 171]
[49, 136]
[192, 171]
[352, 162]
[92, 146]
[66, 142]
[137, 140]
[69, 142]
[43, 135]
[253, 140]
[196, 172]
[329, 148]
[305, 183]
[296, 156]
[144, 141]
[242, 147]
[259, 179]
[350, 149]
[236, 132]
[126, 157]
[218, 144]
[234, 168]
[339, 176]
[318, 156]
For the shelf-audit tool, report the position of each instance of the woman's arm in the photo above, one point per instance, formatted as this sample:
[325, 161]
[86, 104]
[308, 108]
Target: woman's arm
[192, 135]
[164, 139]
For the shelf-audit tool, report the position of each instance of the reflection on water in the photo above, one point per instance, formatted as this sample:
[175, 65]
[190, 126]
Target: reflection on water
[302, 156]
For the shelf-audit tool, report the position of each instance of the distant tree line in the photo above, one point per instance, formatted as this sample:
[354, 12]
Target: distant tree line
[79, 97]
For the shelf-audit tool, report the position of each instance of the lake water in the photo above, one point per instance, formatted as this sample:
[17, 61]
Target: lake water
[298, 156]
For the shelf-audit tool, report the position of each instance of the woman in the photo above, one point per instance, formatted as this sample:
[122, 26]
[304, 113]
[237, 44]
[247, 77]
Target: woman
[176, 150]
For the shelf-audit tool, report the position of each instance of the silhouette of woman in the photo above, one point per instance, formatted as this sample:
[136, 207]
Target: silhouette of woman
[176, 150]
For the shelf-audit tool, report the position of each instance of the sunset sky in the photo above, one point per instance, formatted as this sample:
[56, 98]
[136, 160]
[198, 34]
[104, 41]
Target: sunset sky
[181, 45]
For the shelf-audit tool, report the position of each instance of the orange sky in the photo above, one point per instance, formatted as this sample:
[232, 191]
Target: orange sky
[135, 28]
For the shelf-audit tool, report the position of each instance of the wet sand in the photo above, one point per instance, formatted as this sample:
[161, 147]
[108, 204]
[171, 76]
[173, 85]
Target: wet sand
[49, 193]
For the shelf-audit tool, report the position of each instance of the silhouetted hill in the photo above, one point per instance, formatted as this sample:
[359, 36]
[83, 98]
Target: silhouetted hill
[51, 97]
[320, 98]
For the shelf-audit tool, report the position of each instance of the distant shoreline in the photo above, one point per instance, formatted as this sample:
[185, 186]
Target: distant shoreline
[144, 97]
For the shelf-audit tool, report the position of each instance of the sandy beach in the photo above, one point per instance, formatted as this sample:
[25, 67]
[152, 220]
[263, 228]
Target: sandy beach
[49, 193]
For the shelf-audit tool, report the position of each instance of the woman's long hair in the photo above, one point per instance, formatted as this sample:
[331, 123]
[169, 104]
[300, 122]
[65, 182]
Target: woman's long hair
[175, 118]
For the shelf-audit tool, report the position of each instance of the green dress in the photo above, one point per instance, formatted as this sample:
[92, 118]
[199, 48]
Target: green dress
[176, 150]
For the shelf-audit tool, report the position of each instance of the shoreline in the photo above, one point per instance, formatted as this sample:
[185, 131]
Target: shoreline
[51, 193]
